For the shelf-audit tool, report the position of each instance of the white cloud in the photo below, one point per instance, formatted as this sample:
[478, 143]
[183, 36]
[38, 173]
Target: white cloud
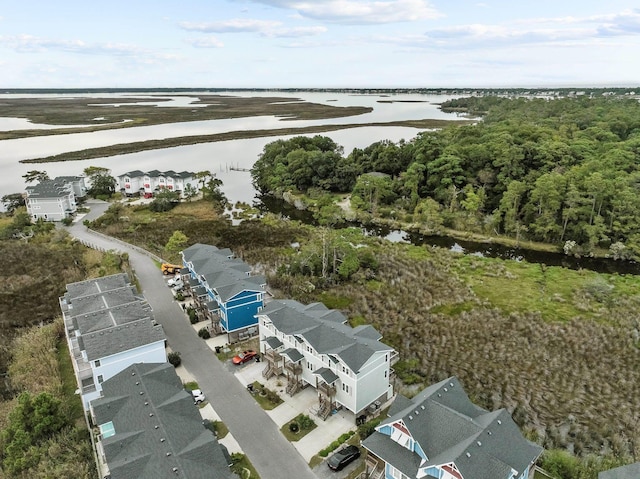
[127, 54]
[205, 42]
[355, 12]
[569, 31]
[231, 26]
[263, 27]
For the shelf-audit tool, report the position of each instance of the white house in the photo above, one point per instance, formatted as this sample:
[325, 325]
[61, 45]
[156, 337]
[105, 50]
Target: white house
[140, 182]
[55, 200]
[441, 434]
[313, 345]
[108, 328]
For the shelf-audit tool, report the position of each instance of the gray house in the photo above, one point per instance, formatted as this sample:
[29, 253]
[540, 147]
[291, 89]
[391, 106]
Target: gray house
[441, 434]
[109, 326]
[55, 200]
[150, 429]
[632, 471]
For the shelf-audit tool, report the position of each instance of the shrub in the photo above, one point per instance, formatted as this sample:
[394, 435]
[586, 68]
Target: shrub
[294, 427]
[204, 333]
[180, 297]
[67, 221]
[174, 358]
[193, 316]
[305, 421]
[366, 429]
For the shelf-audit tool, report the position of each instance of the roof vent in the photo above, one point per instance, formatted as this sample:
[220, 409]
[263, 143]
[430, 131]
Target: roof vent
[489, 432]
[445, 389]
[146, 403]
[439, 395]
[162, 439]
[422, 406]
[156, 426]
[499, 421]
[410, 418]
[468, 454]
[175, 469]
[451, 384]
[416, 412]
[141, 393]
[150, 414]
[137, 383]
[168, 454]
[133, 373]
[479, 443]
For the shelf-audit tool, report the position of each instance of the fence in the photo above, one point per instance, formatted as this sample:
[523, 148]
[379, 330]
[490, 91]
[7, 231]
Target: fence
[124, 244]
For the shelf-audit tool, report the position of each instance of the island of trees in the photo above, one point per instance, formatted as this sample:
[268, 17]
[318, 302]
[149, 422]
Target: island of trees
[561, 171]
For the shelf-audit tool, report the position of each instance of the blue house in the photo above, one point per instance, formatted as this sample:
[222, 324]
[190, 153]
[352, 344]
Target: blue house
[224, 289]
[441, 434]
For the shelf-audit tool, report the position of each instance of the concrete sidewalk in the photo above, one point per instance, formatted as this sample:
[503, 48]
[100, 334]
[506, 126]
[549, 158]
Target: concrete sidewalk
[304, 402]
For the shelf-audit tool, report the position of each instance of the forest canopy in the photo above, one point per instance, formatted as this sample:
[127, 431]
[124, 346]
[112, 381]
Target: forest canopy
[562, 171]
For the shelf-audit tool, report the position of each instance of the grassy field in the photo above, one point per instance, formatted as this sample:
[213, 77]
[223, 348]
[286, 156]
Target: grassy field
[135, 147]
[558, 348]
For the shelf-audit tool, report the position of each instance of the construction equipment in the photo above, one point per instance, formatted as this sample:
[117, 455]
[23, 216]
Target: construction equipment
[168, 268]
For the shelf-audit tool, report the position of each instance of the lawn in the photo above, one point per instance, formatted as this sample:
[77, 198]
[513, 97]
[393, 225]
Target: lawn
[265, 397]
[298, 427]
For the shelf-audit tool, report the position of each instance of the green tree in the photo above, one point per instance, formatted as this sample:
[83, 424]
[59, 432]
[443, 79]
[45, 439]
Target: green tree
[13, 201]
[164, 200]
[189, 192]
[176, 242]
[102, 183]
[510, 207]
[212, 191]
[35, 175]
[34, 420]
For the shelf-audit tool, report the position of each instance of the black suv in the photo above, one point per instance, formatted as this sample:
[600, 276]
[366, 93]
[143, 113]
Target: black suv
[343, 457]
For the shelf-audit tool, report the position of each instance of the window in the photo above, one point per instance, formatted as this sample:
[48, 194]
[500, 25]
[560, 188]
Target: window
[97, 363]
[100, 379]
[345, 388]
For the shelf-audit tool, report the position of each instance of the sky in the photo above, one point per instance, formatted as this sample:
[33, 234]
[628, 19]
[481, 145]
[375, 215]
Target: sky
[319, 43]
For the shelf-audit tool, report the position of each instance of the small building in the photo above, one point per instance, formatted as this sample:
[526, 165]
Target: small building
[441, 434]
[51, 200]
[632, 471]
[224, 289]
[138, 182]
[149, 428]
[77, 183]
[108, 326]
[313, 346]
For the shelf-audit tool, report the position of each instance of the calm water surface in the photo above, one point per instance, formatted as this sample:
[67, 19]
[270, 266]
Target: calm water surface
[218, 157]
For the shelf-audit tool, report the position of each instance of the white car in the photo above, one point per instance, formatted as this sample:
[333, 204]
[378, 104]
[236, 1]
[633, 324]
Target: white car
[198, 396]
[175, 282]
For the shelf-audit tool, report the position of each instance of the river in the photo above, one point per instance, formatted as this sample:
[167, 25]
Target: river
[217, 157]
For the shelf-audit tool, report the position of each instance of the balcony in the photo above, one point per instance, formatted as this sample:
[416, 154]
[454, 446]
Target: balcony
[293, 368]
[327, 389]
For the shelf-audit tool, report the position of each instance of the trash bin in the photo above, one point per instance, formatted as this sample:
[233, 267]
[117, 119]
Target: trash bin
[218, 349]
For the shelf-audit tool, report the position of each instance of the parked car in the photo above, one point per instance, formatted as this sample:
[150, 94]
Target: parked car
[244, 356]
[177, 281]
[343, 457]
[198, 396]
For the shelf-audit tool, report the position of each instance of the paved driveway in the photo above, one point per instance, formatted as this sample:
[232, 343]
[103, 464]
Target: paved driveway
[258, 436]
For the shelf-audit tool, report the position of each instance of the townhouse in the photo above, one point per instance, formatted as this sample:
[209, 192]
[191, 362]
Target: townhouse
[313, 346]
[149, 428]
[224, 289]
[441, 434]
[108, 326]
[138, 182]
[55, 200]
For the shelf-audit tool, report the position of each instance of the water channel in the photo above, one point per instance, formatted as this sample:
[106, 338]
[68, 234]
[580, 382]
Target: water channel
[227, 159]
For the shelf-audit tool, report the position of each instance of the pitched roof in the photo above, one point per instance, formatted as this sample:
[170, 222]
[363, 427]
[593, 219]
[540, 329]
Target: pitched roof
[326, 331]
[158, 431]
[109, 316]
[451, 429]
[631, 471]
[50, 189]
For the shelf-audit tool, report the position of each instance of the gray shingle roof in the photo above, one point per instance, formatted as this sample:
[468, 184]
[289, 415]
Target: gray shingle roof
[158, 430]
[49, 189]
[390, 451]
[273, 342]
[632, 471]
[124, 337]
[325, 330]
[450, 428]
[109, 316]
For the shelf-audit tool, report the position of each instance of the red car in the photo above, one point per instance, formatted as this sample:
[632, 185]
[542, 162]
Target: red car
[244, 356]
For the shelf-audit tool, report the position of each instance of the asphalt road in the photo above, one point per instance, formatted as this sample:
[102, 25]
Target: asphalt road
[258, 436]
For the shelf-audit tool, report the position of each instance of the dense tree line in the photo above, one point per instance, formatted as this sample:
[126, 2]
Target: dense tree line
[557, 171]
